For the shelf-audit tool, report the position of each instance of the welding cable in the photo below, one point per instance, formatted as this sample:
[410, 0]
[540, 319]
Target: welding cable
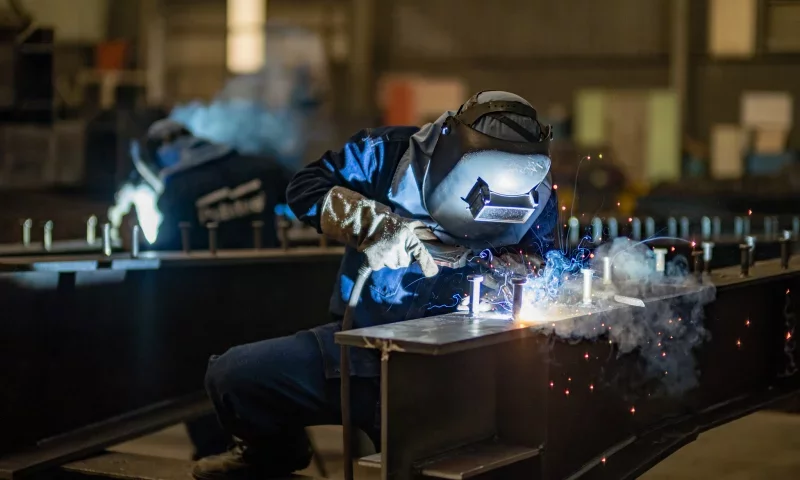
[344, 367]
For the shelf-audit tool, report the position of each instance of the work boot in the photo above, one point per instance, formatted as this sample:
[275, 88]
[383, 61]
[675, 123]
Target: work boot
[246, 463]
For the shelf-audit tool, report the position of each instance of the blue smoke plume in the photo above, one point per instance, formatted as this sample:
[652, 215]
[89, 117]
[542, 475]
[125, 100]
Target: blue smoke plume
[246, 125]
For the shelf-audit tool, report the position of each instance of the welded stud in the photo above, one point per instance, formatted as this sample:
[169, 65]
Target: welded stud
[587, 285]
[107, 239]
[705, 228]
[91, 230]
[519, 291]
[672, 227]
[475, 298]
[708, 254]
[786, 249]
[716, 228]
[283, 231]
[685, 228]
[636, 229]
[613, 228]
[738, 227]
[48, 235]
[607, 270]
[212, 237]
[661, 260]
[697, 264]
[27, 224]
[744, 264]
[769, 228]
[258, 227]
[597, 230]
[649, 227]
[751, 242]
[574, 231]
[135, 241]
[186, 241]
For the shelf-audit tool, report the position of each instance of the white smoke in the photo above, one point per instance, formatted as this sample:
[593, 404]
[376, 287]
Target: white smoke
[273, 112]
[245, 125]
[663, 335]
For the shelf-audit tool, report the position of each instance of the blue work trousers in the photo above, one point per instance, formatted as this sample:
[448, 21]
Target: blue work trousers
[266, 393]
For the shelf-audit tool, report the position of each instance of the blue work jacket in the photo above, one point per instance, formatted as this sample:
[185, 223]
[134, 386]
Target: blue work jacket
[233, 191]
[379, 163]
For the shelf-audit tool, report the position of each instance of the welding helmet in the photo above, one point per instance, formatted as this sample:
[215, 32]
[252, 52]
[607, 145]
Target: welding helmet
[488, 178]
[159, 149]
[169, 147]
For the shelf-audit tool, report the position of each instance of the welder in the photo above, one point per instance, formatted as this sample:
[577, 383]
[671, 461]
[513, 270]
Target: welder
[180, 179]
[476, 178]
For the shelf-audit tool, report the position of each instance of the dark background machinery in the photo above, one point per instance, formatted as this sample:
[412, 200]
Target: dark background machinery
[26, 63]
[774, 194]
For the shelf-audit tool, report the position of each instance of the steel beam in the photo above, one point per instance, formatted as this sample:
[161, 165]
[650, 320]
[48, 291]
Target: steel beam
[581, 409]
[87, 339]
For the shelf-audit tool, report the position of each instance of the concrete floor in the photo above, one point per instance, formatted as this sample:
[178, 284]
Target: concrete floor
[762, 446]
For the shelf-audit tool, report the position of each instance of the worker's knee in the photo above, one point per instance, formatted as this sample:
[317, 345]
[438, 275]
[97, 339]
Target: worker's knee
[260, 368]
[230, 374]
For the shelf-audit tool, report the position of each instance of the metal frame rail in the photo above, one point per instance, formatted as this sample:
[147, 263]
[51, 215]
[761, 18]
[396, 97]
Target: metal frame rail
[100, 349]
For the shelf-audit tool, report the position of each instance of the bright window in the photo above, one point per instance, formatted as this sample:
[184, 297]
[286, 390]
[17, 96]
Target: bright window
[732, 28]
[246, 35]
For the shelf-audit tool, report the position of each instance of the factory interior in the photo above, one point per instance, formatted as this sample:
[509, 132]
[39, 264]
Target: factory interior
[185, 180]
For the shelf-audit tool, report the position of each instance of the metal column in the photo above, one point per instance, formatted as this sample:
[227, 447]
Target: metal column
[679, 58]
[362, 48]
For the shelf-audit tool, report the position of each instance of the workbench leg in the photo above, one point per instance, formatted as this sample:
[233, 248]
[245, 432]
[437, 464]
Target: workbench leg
[432, 404]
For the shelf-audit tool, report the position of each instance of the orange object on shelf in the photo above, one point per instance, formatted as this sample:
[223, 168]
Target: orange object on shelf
[400, 107]
[111, 55]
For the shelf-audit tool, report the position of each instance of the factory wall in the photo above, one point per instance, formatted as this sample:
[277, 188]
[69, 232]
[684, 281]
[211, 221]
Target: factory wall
[195, 33]
[547, 51]
[544, 50]
[75, 21]
[716, 85]
[540, 49]
[717, 88]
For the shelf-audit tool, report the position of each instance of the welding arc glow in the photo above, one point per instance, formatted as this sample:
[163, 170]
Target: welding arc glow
[146, 202]
[553, 303]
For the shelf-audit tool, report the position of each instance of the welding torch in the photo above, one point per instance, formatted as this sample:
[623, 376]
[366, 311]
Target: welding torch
[444, 256]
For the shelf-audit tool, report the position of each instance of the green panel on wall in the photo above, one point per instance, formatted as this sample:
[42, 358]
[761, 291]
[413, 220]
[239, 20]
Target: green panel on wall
[663, 137]
[590, 118]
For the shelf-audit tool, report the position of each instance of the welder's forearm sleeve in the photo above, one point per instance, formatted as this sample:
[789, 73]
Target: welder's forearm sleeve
[386, 240]
[350, 218]
[355, 167]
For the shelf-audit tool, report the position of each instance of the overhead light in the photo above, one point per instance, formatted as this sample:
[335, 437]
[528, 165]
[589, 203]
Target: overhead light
[246, 39]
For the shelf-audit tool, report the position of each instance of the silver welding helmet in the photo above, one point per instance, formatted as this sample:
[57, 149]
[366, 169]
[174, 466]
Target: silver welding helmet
[483, 190]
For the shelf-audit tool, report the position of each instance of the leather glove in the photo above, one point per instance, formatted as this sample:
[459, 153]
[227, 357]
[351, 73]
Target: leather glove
[387, 240]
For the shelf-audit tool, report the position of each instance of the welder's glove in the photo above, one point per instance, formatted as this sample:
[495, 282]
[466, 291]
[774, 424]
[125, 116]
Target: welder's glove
[386, 239]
